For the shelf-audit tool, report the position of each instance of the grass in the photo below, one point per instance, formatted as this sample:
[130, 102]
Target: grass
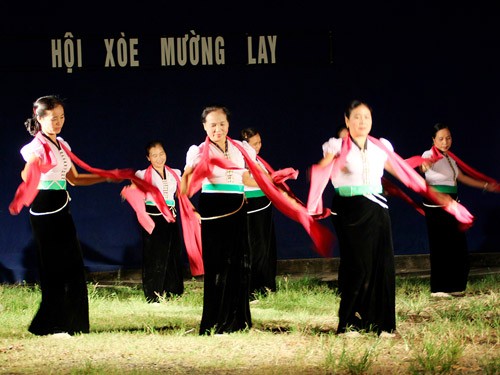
[293, 333]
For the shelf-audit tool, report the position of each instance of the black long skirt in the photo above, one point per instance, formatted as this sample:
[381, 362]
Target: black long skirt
[262, 241]
[226, 306]
[366, 273]
[448, 249]
[64, 306]
[162, 269]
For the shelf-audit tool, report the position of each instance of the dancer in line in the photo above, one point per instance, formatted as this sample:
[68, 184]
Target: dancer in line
[449, 254]
[64, 308]
[261, 229]
[355, 166]
[162, 268]
[223, 212]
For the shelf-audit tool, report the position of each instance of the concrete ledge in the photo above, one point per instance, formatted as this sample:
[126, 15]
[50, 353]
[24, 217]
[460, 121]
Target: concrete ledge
[416, 265]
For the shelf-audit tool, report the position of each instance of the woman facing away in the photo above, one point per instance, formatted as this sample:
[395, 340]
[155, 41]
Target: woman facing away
[449, 255]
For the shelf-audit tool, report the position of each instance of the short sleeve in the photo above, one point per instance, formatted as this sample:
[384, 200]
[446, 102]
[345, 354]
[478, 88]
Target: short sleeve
[60, 139]
[387, 144]
[193, 156]
[427, 154]
[140, 174]
[33, 148]
[333, 146]
[249, 149]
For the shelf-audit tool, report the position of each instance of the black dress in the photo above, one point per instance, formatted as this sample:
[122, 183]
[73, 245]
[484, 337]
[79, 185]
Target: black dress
[448, 250]
[162, 267]
[226, 262]
[366, 273]
[64, 306]
[262, 242]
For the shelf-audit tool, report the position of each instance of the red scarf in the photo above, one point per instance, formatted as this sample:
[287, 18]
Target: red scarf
[205, 167]
[320, 175]
[321, 236]
[416, 161]
[413, 180]
[191, 229]
[27, 190]
[436, 155]
[391, 189]
[408, 176]
[279, 177]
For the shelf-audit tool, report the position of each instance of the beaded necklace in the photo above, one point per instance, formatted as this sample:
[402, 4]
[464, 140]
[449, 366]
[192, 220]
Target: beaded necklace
[229, 172]
[451, 166]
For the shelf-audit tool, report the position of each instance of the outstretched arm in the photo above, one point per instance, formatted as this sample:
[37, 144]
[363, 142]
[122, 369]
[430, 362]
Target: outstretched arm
[443, 199]
[83, 179]
[470, 181]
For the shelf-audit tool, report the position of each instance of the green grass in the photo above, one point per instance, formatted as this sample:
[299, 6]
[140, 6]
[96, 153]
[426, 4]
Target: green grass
[293, 333]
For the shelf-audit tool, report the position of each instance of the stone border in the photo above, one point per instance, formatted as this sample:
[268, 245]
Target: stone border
[326, 269]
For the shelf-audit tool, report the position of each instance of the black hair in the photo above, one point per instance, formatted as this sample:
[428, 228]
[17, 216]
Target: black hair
[153, 143]
[40, 107]
[248, 133]
[437, 127]
[353, 105]
[211, 108]
[340, 128]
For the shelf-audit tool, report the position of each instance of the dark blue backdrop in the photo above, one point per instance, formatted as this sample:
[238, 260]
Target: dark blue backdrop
[415, 66]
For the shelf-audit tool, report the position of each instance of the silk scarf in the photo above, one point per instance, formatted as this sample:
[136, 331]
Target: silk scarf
[407, 175]
[322, 238]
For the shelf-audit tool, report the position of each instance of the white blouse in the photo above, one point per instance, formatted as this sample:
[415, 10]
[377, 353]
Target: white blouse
[220, 175]
[167, 186]
[362, 167]
[251, 151]
[59, 158]
[442, 172]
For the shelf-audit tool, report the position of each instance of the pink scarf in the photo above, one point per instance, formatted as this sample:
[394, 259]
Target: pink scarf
[27, 190]
[413, 180]
[191, 230]
[391, 189]
[320, 176]
[191, 226]
[279, 177]
[321, 236]
[416, 161]
[408, 176]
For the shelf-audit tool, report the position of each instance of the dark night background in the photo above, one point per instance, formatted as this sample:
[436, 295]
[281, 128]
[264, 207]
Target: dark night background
[416, 64]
